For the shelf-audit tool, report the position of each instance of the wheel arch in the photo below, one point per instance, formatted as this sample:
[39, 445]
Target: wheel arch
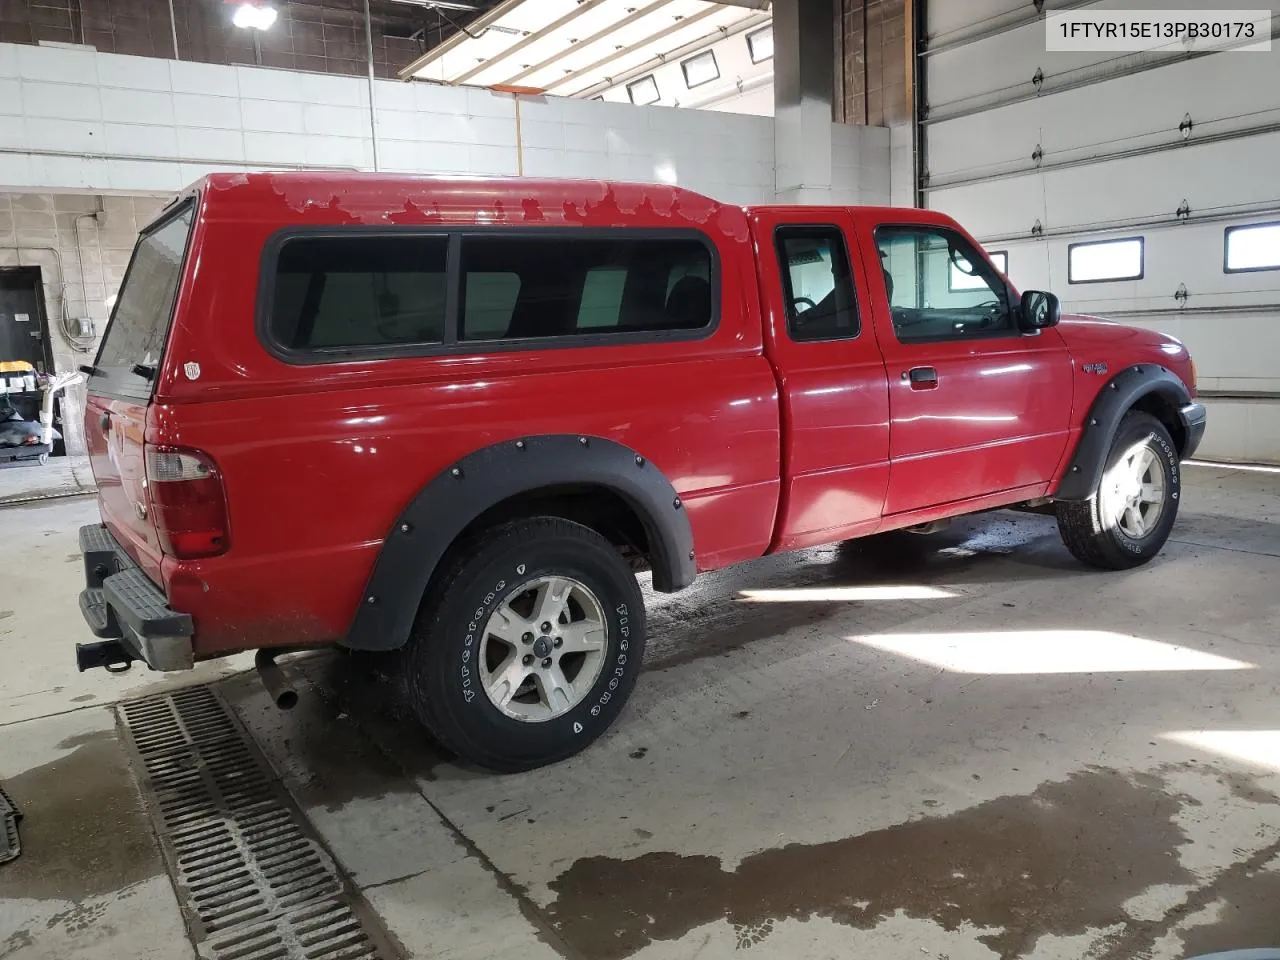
[590, 480]
[1151, 388]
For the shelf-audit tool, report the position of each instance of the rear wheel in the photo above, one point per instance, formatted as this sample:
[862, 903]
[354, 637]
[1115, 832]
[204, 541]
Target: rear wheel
[529, 646]
[1131, 512]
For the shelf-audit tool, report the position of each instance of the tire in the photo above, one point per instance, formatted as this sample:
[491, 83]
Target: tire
[457, 654]
[1101, 531]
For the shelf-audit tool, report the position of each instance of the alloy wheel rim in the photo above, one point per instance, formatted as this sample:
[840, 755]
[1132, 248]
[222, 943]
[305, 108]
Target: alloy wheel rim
[543, 649]
[1137, 488]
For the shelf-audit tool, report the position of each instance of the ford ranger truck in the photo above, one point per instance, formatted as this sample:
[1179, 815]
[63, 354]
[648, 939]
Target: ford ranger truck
[455, 419]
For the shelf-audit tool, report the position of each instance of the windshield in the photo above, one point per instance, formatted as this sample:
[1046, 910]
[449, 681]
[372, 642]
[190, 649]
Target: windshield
[130, 353]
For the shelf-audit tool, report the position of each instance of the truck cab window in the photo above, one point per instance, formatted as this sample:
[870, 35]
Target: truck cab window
[920, 265]
[817, 283]
[338, 292]
[519, 287]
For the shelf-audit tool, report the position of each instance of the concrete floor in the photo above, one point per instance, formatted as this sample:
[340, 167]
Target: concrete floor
[965, 746]
[57, 477]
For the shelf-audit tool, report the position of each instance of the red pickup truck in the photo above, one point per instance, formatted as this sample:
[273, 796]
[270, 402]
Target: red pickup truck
[455, 417]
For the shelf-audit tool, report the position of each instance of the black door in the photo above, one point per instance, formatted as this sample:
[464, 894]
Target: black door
[22, 323]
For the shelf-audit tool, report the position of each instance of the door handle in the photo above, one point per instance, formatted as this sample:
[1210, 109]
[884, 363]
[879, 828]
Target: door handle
[921, 378]
[104, 422]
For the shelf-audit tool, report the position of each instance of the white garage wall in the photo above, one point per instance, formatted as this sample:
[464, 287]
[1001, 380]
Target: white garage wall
[76, 123]
[757, 100]
[1113, 163]
[77, 119]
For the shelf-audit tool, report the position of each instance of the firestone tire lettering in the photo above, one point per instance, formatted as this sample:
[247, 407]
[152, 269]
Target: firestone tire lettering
[443, 678]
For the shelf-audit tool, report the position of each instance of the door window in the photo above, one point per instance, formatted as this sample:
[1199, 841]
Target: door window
[920, 264]
[817, 283]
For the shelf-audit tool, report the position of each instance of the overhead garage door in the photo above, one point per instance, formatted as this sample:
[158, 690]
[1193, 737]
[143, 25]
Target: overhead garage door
[1037, 153]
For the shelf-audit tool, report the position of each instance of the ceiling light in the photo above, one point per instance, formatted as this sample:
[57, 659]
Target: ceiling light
[442, 5]
[249, 16]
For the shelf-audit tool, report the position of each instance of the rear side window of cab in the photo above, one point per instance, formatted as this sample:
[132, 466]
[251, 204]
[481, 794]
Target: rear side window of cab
[330, 295]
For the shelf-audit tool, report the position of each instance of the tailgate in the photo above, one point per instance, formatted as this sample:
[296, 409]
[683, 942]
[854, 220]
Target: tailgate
[114, 431]
[122, 380]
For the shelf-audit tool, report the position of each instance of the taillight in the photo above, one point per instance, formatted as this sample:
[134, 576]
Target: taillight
[187, 502]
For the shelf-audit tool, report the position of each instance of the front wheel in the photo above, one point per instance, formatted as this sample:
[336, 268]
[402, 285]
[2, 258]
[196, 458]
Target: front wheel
[530, 645]
[1131, 512]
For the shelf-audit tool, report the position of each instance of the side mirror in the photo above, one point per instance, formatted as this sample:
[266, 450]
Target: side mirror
[1038, 310]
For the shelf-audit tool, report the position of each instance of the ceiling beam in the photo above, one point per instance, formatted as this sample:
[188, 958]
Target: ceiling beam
[693, 46]
[605, 61]
[469, 31]
[598, 35]
[532, 38]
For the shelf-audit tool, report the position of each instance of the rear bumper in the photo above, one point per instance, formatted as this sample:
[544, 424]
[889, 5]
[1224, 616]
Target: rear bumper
[1194, 417]
[123, 607]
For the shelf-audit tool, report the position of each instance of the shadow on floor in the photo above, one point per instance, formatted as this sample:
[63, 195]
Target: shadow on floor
[714, 619]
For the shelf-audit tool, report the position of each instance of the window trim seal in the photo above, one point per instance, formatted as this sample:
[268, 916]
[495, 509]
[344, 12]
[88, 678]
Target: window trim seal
[785, 275]
[1142, 258]
[1226, 241]
[1010, 334]
[452, 344]
[170, 213]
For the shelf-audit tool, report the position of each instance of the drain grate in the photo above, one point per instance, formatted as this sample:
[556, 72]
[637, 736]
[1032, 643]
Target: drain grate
[254, 884]
[10, 842]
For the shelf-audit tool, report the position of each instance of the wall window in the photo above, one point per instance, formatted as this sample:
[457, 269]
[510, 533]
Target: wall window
[817, 283]
[341, 292]
[517, 288]
[643, 91]
[700, 69]
[1103, 260]
[963, 277]
[917, 262]
[1252, 247]
[760, 45]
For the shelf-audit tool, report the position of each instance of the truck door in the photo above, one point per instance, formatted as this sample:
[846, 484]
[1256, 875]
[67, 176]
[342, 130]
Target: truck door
[835, 406]
[977, 406]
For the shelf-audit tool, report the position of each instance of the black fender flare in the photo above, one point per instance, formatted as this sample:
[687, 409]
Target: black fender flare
[459, 494]
[1114, 400]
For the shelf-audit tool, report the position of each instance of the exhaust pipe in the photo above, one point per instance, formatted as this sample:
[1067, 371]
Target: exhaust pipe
[273, 678]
